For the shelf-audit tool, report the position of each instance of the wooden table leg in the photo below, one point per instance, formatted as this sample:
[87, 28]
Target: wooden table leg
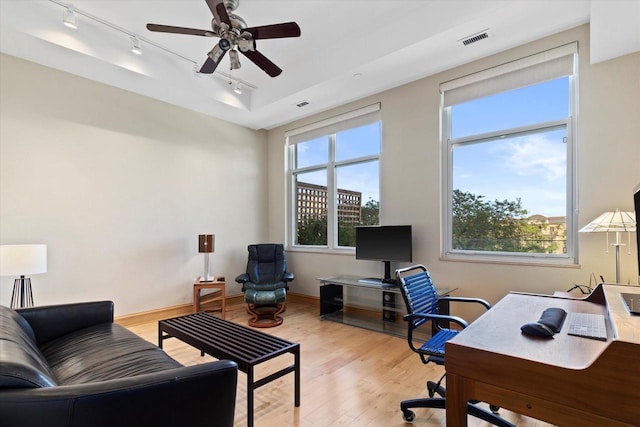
[456, 402]
[224, 299]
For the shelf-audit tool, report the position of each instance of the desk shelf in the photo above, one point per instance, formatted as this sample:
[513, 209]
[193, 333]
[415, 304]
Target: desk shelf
[348, 300]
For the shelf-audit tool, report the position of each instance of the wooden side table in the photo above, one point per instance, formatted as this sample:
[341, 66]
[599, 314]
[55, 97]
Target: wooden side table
[218, 294]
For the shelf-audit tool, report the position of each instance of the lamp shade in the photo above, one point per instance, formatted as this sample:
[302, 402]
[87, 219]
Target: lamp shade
[21, 260]
[206, 243]
[611, 222]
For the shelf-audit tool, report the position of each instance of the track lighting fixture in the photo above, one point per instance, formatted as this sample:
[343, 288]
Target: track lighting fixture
[69, 18]
[135, 45]
[238, 89]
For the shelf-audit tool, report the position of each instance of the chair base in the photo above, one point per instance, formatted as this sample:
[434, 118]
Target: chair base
[265, 316]
[440, 403]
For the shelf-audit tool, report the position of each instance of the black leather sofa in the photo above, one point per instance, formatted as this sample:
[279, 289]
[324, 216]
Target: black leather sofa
[70, 365]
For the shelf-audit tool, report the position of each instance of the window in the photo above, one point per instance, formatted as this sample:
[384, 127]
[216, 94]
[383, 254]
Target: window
[334, 179]
[508, 161]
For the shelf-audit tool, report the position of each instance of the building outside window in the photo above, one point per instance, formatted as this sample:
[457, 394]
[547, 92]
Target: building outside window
[334, 179]
[508, 161]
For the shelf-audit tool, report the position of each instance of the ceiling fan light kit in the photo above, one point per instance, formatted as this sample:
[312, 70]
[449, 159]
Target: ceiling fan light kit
[234, 36]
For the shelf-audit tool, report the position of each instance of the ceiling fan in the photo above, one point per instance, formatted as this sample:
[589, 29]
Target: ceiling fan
[234, 36]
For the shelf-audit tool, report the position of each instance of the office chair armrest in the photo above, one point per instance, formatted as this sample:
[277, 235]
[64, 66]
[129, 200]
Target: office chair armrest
[464, 299]
[287, 277]
[455, 319]
[243, 278]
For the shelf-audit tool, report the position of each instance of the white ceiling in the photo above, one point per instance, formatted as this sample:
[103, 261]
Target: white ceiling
[349, 49]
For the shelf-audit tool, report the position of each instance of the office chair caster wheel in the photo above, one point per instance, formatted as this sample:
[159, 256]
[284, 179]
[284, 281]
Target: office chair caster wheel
[495, 409]
[408, 416]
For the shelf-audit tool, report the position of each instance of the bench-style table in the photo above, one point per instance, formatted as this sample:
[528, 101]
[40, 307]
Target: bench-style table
[227, 340]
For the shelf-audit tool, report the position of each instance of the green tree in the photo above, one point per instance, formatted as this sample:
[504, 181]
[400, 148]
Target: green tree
[495, 226]
[370, 213]
[313, 232]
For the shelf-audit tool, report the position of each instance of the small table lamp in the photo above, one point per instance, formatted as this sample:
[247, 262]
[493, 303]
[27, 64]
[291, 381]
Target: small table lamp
[617, 222]
[20, 260]
[206, 245]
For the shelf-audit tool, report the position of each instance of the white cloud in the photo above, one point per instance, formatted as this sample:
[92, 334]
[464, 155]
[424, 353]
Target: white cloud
[535, 155]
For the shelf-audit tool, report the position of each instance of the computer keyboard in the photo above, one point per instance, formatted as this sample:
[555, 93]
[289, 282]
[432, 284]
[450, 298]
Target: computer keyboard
[587, 325]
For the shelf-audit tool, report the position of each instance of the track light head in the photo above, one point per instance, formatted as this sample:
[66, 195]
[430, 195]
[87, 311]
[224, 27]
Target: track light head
[70, 18]
[135, 45]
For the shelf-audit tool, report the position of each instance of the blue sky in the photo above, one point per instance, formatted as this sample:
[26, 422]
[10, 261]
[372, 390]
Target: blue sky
[350, 144]
[530, 167]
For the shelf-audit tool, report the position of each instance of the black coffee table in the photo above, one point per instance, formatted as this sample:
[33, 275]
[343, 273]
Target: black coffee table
[227, 340]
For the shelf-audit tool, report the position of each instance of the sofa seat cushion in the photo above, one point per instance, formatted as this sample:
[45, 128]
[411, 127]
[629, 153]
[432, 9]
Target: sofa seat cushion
[22, 365]
[103, 352]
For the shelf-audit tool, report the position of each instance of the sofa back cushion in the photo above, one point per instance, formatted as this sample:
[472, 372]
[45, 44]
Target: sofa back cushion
[103, 352]
[22, 365]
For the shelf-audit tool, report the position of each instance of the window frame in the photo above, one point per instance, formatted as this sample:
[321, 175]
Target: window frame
[329, 128]
[447, 144]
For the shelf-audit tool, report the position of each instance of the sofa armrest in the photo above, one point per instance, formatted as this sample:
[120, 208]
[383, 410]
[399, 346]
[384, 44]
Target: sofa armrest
[195, 396]
[52, 321]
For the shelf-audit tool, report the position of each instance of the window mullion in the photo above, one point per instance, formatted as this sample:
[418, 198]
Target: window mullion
[332, 226]
[522, 130]
[447, 186]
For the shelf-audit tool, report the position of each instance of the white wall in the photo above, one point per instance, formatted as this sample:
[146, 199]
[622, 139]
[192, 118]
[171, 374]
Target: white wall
[608, 170]
[119, 186]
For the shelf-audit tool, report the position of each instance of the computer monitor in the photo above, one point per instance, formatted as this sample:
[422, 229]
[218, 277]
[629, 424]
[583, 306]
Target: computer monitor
[384, 243]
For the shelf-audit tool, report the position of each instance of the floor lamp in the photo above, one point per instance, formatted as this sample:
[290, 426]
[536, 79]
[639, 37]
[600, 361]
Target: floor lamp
[21, 260]
[613, 222]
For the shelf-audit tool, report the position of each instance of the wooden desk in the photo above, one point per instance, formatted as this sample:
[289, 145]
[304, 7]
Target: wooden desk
[218, 285]
[566, 380]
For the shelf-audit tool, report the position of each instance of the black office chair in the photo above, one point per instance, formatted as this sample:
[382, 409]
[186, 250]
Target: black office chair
[265, 284]
[422, 303]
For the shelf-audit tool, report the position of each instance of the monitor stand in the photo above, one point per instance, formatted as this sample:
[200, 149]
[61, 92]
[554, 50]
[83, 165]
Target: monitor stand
[387, 274]
[386, 281]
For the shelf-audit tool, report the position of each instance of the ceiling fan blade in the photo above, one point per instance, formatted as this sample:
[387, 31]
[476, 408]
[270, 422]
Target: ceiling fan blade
[212, 6]
[210, 64]
[179, 30]
[263, 62]
[275, 31]
[221, 13]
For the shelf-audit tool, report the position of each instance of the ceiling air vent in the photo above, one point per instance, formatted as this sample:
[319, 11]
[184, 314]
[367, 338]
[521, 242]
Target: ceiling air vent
[475, 38]
[302, 104]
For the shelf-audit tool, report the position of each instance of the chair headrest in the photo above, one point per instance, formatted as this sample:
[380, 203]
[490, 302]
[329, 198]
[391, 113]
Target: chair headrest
[266, 252]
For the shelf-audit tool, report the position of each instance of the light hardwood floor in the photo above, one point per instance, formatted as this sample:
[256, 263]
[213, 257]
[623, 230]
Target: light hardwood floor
[349, 376]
